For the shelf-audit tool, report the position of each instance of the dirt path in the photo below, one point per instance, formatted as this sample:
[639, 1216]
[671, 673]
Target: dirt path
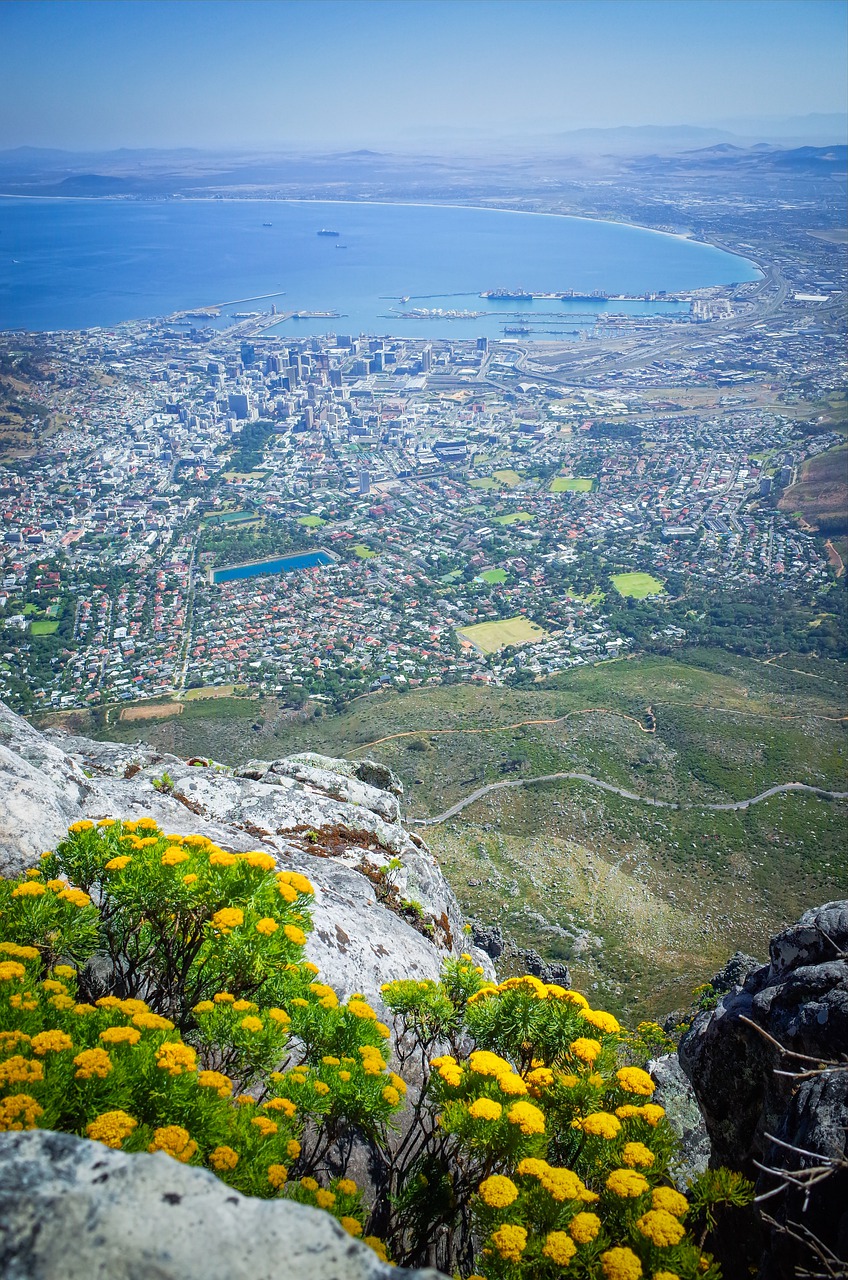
[620, 791]
[519, 724]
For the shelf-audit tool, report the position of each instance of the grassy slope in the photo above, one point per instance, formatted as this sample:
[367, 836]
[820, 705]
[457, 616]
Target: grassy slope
[643, 902]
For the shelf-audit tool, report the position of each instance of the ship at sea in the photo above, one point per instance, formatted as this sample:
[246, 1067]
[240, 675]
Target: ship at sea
[325, 232]
[508, 295]
[517, 328]
[267, 224]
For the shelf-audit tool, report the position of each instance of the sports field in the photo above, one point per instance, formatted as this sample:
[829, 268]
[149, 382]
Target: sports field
[489, 637]
[42, 628]
[311, 522]
[507, 477]
[364, 553]
[638, 585]
[572, 484]
[515, 517]
[493, 575]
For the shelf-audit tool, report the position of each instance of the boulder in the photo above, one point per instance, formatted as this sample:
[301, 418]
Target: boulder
[676, 1095]
[764, 1107]
[315, 814]
[74, 1210]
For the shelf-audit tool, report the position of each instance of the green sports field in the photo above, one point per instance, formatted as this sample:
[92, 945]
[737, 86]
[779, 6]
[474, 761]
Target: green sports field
[638, 585]
[572, 484]
[515, 517]
[492, 636]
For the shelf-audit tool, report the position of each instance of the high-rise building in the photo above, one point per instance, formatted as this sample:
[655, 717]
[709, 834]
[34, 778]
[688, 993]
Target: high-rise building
[365, 481]
[483, 345]
[426, 359]
[239, 403]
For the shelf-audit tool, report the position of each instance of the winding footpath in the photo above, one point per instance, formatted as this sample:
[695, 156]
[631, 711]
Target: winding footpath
[734, 805]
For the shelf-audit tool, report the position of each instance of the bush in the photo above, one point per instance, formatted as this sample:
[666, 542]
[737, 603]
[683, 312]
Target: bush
[154, 997]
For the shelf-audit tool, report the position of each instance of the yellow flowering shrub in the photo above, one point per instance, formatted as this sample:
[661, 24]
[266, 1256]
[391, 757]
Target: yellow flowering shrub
[531, 1148]
[543, 1151]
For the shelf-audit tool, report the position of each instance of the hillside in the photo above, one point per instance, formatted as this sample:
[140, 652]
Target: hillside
[643, 901]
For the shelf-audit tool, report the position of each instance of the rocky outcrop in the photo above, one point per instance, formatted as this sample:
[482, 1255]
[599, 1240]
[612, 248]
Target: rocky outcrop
[490, 938]
[74, 1210]
[763, 1107]
[676, 1095]
[334, 820]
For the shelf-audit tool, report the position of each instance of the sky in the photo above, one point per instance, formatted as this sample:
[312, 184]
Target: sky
[219, 74]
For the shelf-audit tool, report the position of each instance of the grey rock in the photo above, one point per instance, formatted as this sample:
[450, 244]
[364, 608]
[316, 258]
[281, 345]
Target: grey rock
[48, 782]
[800, 1000]
[489, 938]
[676, 1095]
[73, 1210]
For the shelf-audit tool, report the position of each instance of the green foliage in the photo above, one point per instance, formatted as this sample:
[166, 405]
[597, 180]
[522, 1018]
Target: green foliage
[154, 996]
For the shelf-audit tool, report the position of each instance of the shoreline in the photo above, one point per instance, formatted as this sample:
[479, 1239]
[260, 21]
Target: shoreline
[407, 204]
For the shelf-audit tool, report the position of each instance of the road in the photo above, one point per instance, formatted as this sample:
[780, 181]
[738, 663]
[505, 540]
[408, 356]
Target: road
[620, 791]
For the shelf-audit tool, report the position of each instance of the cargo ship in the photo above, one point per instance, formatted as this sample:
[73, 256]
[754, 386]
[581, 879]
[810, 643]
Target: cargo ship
[325, 232]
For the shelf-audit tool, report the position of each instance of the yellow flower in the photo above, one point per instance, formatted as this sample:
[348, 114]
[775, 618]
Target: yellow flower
[665, 1275]
[670, 1200]
[600, 1125]
[20, 953]
[320, 1088]
[540, 1078]
[77, 828]
[652, 1113]
[294, 934]
[512, 1084]
[82, 1009]
[108, 1002]
[191, 878]
[661, 1227]
[111, 1128]
[309, 1184]
[261, 861]
[222, 1084]
[17, 1112]
[11, 970]
[293, 1152]
[250, 1023]
[118, 864]
[375, 1243]
[635, 1080]
[228, 918]
[510, 1241]
[621, 1264]
[56, 885]
[485, 1063]
[175, 1058]
[29, 889]
[604, 1022]
[220, 859]
[147, 1021]
[344, 1076]
[26, 1002]
[498, 1192]
[398, 1082]
[449, 1070]
[50, 985]
[296, 880]
[351, 1226]
[361, 1009]
[324, 1199]
[265, 1126]
[205, 1006]
[51, 1042]
[8, 1039]
[287, 892]
[20, 1070]
[346, 1186]
[92, 1063]
[585, 1050]
[529, 1119]
[627, 1183]
[277, 1175]
[59, 970]
[559, 1247]
[391, 1095]
[76, 897]
[223, 997]
[380, 1027]
[584, 1227]
[281, 1104]
[223, 1158]
[146, 824]
[485, 1109]
[266, 926]
[637, 1156]
[173, 856]
[174, 1140]
[245, 1006]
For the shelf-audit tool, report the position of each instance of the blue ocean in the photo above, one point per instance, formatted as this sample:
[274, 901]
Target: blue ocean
[76, 264]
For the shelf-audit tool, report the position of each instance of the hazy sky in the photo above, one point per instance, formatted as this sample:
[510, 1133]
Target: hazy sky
[216, 73]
